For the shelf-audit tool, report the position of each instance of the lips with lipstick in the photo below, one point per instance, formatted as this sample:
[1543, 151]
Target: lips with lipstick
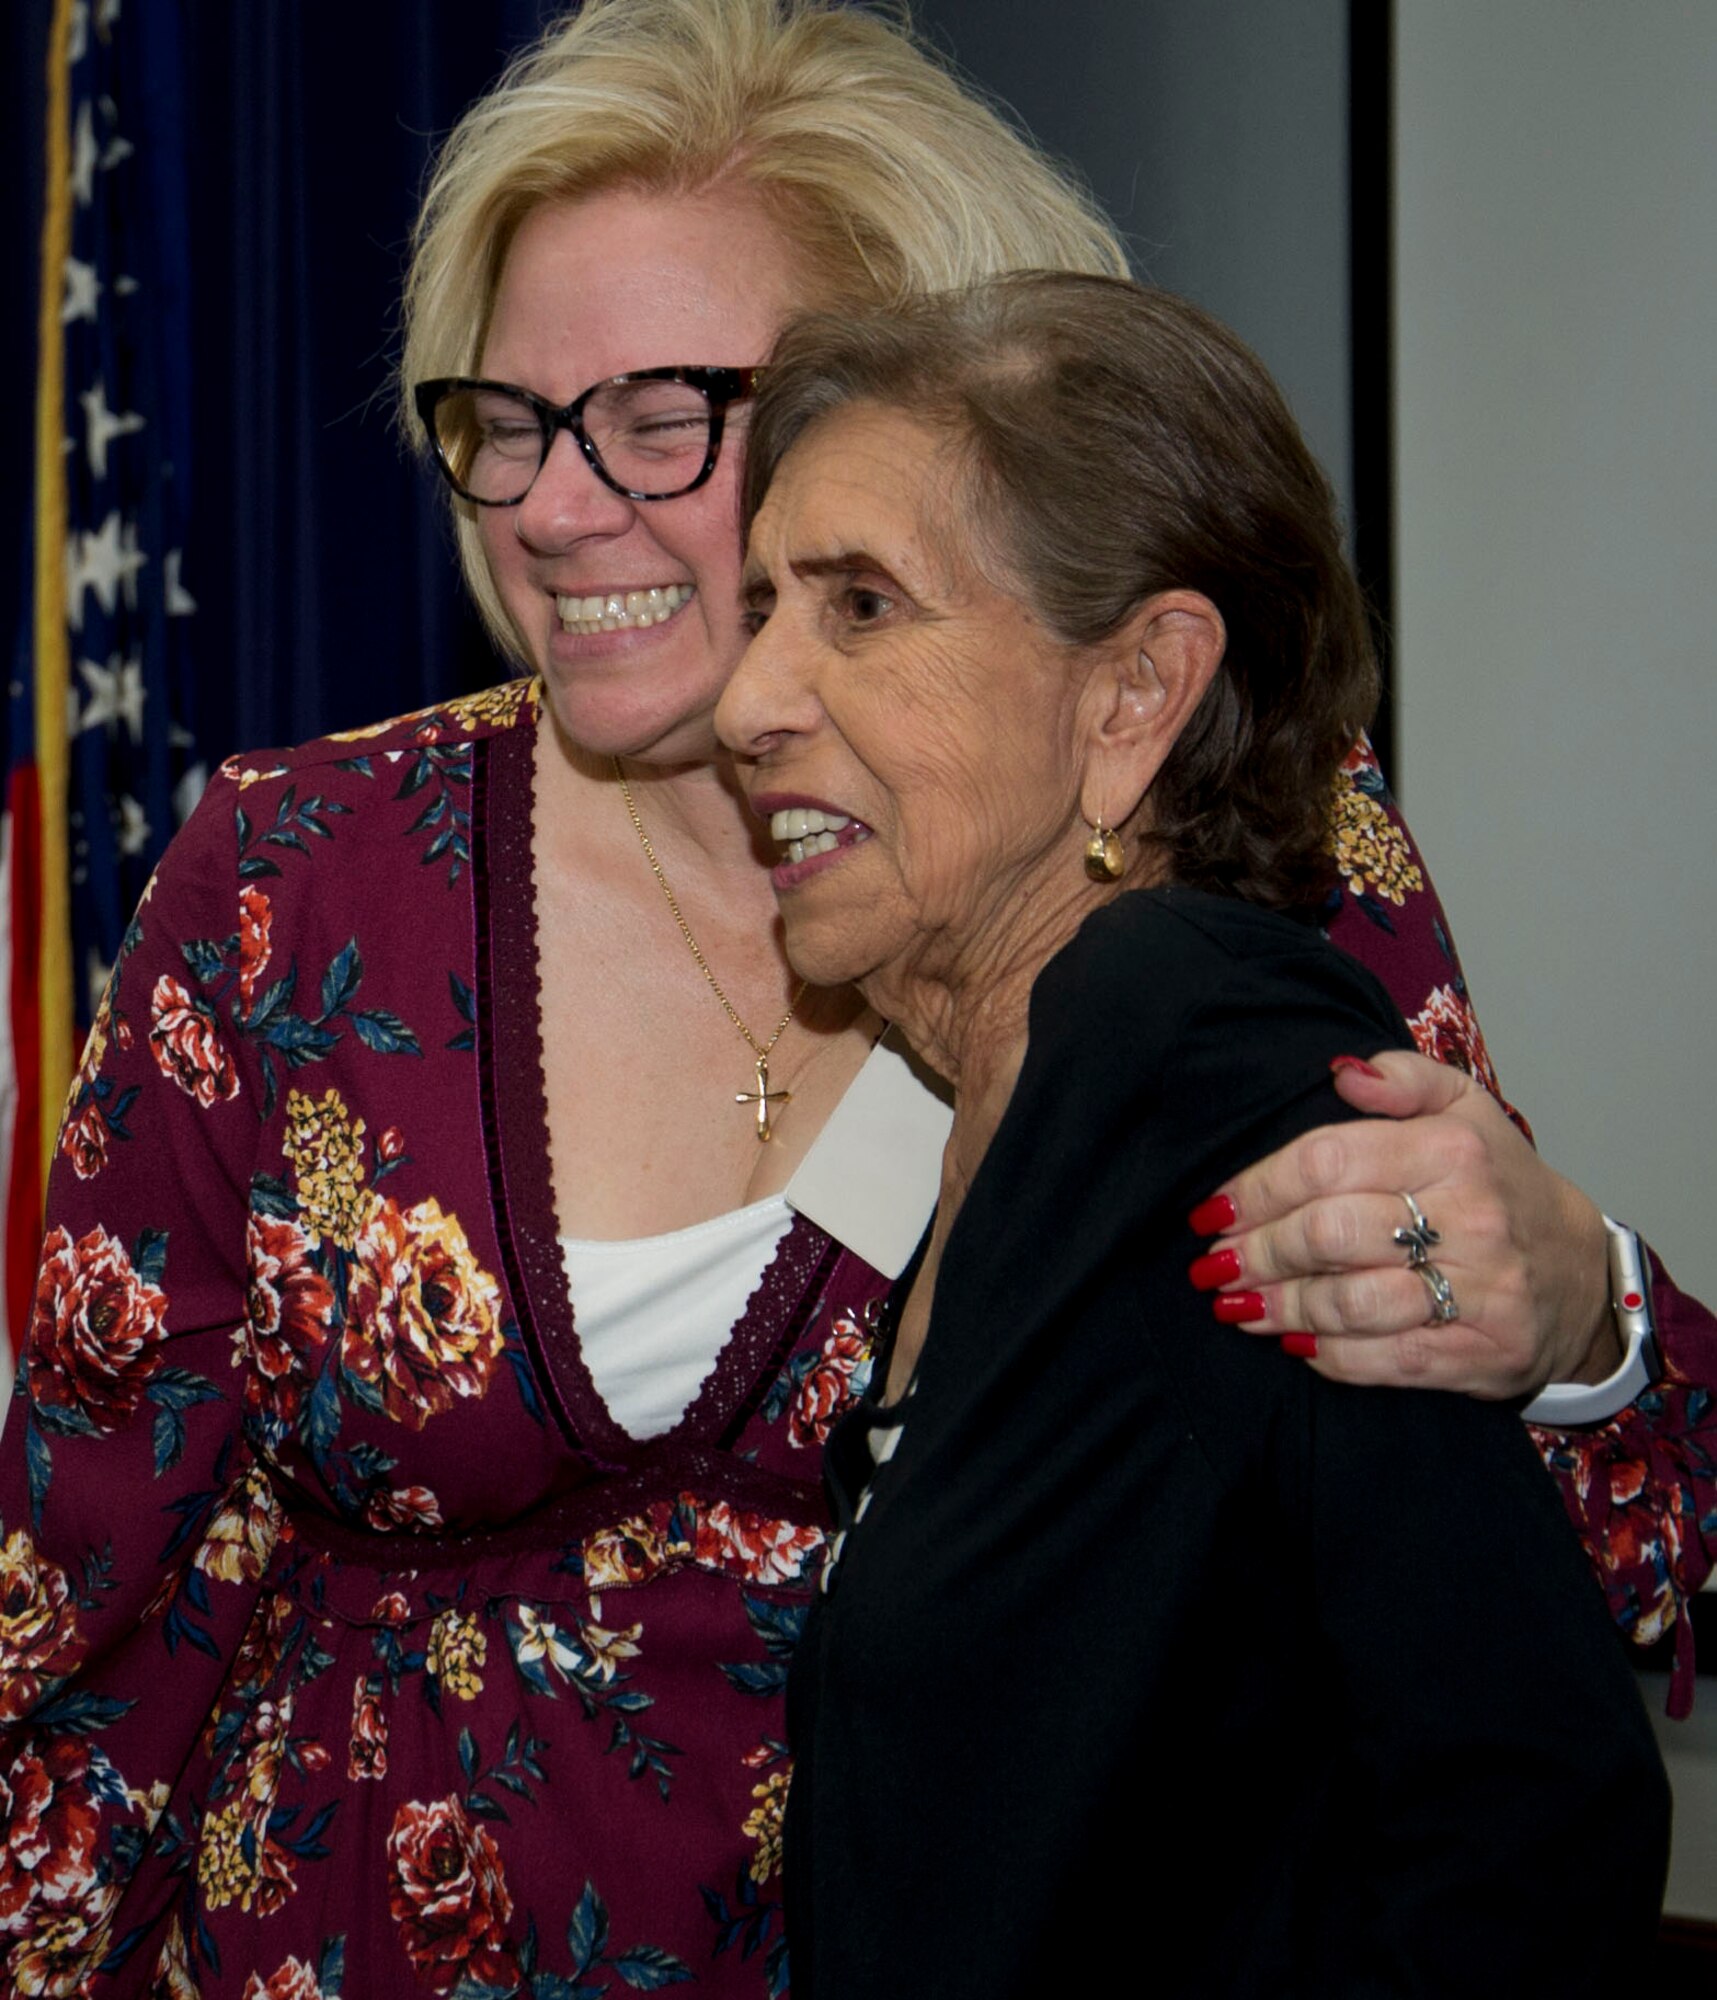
[622, 610]
[804, 831]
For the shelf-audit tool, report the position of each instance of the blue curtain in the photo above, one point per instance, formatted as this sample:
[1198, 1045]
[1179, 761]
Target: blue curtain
[318, 554]
[322, 564]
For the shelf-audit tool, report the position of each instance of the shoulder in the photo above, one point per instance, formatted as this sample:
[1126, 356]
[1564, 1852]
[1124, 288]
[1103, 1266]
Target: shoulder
[1156, 963]
[494, 711]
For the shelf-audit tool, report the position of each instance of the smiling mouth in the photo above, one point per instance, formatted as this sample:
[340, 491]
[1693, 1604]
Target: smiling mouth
[622, 610]
[805, 831]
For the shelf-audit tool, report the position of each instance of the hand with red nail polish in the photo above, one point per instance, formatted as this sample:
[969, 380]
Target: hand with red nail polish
[1238, 1308]
[1212, 1217]
[1215, 1268]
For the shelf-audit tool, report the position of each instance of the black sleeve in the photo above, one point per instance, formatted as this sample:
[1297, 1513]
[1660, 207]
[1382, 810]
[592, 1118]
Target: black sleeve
[1152, 1648]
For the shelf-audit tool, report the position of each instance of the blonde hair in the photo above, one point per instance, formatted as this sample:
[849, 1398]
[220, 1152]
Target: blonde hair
[887, 175]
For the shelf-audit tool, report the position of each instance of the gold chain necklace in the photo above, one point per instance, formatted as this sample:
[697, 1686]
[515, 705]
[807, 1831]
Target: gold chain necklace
[762, 1096]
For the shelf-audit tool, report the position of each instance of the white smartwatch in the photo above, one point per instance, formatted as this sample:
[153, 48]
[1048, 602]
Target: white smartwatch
[1565, 1404]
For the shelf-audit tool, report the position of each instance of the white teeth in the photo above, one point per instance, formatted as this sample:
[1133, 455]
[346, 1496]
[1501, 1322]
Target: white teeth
[804, 831]
[622, 611]
[795, 822]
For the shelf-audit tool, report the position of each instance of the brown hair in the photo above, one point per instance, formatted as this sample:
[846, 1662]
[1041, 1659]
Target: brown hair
[1113, 442]
[887, 173]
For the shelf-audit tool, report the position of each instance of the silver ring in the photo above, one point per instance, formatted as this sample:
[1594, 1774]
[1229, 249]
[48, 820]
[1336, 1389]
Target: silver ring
[1443, 1306]
[1419, 1239]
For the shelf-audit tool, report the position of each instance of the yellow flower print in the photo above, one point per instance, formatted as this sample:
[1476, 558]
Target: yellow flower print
[457, 1648]
[242, 1535]
[61, 1947]
[1370, 850]
[423, 1316]
[325, 1144]
[39, 1638]
[498, 705]
[628, 1552]
[764, 1823]
[223, 1874]
[607, 1649]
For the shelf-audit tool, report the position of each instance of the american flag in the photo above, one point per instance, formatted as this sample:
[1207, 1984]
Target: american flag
[100, 757]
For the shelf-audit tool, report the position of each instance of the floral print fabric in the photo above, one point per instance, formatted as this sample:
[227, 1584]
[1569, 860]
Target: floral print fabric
[297, 1696]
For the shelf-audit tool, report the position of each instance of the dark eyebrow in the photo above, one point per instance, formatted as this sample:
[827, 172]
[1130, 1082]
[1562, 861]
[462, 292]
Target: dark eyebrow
[756, 589]
[846, 562]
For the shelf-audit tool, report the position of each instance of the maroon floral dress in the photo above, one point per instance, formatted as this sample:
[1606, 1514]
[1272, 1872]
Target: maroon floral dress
[346, 1644]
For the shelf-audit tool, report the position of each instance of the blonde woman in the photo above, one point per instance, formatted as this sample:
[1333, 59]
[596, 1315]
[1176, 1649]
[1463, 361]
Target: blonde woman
[411, 1500]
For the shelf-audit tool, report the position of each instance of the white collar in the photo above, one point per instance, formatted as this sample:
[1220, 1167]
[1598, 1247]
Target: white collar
[871, 1178]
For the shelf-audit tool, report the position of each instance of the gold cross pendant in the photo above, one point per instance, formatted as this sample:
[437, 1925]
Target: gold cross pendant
[763, 1097]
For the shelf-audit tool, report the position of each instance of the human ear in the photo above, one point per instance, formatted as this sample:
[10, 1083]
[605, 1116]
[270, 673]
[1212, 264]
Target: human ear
[1146, 685]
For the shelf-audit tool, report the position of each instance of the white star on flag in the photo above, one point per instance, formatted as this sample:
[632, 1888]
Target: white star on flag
[83, 288]
[104, 426]
[106, 562]
[180, 602]
[85, 154]
[132, 832]
[116, 694]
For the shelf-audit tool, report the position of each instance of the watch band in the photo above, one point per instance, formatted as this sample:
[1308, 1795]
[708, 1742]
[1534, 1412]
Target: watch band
[1565, 1404]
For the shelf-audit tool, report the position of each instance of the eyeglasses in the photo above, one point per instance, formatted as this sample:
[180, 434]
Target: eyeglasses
[650, 435]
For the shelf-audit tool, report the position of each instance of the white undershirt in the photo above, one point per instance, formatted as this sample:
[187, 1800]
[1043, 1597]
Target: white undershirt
[653, 1312]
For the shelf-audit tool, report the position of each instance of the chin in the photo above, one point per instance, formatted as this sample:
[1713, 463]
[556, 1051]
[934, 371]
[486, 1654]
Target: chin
[821, 959]
[626, 719]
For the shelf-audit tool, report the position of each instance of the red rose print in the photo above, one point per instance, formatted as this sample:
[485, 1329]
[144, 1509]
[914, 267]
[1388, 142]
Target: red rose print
[254, 920]
[98, 1328]
[830, 1387]
[390, 1145]
[264, 1643]
[286, 1325]
[39, 1637]
[368, 1752]
[448, 1895]
[48, 1826]
[758, 1548]
[187, 1047]
[423, 1318]
[294, 1981]
[403, 1507]
[84, 1141]
[1447, 1030]
[393, 1609]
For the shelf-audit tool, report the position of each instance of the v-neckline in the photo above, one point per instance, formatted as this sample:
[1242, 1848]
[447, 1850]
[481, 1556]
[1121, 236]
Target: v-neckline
[516, 1132]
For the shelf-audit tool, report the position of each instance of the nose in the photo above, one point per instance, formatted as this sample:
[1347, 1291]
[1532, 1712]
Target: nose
[770, 699]
[567, 503]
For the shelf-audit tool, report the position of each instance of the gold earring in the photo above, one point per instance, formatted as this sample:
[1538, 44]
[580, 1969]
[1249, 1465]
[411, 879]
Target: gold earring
[1105, 858]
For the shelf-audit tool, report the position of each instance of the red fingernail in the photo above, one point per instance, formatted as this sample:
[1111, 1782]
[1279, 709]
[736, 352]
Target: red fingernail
[1236, 1308]
[1211, 1217]
[1216, 1267]
[1303, 1346]
[1359, 1063]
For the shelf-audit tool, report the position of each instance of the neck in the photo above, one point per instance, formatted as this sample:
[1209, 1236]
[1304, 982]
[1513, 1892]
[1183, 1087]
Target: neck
[693, 810]
[969, 1017]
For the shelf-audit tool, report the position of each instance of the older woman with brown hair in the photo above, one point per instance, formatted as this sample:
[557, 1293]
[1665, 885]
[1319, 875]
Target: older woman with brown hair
[1145, 1657]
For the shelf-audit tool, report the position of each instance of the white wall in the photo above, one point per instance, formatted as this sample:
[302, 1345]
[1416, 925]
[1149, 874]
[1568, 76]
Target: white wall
[1557, 668]
[1557, 540]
